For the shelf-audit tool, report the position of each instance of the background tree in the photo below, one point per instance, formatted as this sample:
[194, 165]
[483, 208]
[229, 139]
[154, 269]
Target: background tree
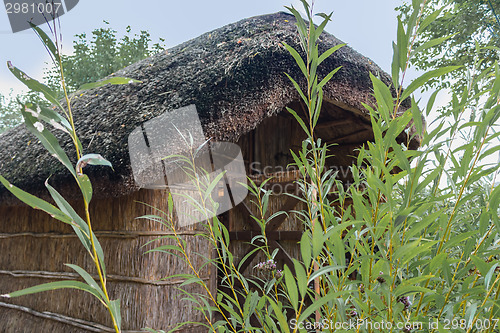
[473, 28]
[93, 59]
[104, 54]
[10, 108]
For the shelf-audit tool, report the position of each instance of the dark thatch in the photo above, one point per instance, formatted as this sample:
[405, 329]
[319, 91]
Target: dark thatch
[235, 77]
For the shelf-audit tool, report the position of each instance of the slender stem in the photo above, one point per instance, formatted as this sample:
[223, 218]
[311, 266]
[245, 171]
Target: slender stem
[74, 137]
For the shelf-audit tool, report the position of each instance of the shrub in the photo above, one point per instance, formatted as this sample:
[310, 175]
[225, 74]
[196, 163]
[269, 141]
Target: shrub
[417, 249]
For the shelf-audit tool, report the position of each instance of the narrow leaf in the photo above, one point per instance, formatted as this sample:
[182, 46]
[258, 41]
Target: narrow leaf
[420, 81]
[36, 202]
[112, 80]
[54, 286]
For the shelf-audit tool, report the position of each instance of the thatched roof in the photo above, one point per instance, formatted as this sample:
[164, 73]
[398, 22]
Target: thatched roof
[234, 75]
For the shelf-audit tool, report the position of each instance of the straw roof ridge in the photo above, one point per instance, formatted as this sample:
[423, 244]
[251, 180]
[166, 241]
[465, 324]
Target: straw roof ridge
[234, 75]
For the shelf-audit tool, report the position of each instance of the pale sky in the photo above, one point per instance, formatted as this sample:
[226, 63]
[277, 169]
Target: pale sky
[369, 26]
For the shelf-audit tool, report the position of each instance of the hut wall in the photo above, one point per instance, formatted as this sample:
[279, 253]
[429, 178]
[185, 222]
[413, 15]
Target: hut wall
[35, 247]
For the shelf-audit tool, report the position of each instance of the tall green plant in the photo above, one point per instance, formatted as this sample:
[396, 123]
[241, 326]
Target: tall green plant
[417, 248]
[38, 119]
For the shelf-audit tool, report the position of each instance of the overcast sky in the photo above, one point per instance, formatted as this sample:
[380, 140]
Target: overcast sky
[369, 26]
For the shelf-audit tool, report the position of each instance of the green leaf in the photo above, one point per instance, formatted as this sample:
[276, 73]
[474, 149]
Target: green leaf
[112, 80]
[212, 185]
[92, 159]
[291, 287]
[47, 139]
[489, 275]
[317, 304]
[317, 240]
[321, 27]
[35, 202]
[305, 249]
[297, 57]
[375, 298]
[383, 96]
[80, 226]
[420, 81]
[459, 238]
[323, 271]
[299, 120]
[65, 207]
[46, 41]
[417, 117]
[329, 52]
[402, 44]
[471, 312]
[50, 116]
[114, 307]
[54, 286]
[429, 19]
[279, 315]
[85, 187]
[34, 85]
[300, 23]
[430, 102]
[89, 279]
[298, 89]
[328, 77]
[437, 262]
[301, 277]
[395, 65]
[166, 247]
[432, 43]
[403, 290]
[482, 266]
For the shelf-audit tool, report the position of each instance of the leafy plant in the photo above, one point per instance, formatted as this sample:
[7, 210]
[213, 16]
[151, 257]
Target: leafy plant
[38, 120]
[411, 244]
[460, 26]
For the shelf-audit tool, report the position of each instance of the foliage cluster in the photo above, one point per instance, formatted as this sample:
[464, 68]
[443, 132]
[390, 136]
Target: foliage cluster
[463, 32]
[415, 241]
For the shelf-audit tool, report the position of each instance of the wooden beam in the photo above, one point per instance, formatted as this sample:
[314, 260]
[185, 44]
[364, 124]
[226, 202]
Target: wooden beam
[333, 123]
[348, 136]
[72, 276]
[274, 235]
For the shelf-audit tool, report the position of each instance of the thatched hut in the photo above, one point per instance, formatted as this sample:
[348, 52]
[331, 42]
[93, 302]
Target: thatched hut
[235, 77]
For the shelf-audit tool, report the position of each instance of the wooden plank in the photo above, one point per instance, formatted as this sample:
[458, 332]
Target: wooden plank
[110, 277]
[334, 123]
[348, 137]
[247, 235]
